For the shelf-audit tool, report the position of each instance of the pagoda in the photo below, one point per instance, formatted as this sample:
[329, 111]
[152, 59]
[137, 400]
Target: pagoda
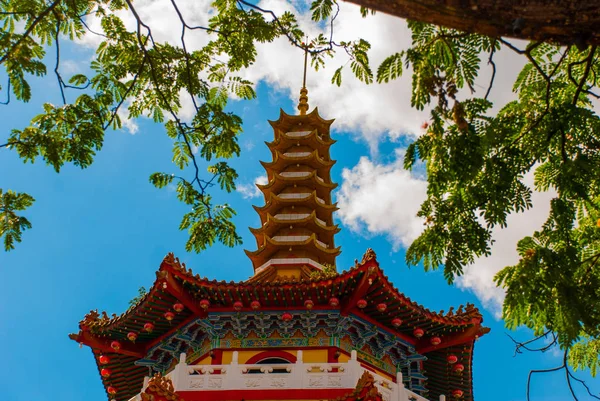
[297, 329]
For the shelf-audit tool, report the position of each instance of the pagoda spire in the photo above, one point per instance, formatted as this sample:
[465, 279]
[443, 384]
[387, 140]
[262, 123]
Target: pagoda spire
[296, 236]
[303, 105]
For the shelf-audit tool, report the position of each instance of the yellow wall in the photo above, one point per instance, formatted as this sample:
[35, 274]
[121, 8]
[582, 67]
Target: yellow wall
[309, 356]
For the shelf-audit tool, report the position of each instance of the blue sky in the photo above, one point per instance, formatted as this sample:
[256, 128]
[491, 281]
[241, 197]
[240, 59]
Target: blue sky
[100, 233]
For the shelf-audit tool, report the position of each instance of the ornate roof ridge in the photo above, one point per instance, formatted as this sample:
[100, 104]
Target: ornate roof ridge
[93, 319]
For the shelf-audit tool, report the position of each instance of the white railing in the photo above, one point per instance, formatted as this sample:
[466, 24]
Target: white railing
[290, 238]
[298, 216]
[289, 261]
[297, 376]
[298, 134]
[298, 196]
[295, 174]
[289, 216]
[297, 154]
[293, 196]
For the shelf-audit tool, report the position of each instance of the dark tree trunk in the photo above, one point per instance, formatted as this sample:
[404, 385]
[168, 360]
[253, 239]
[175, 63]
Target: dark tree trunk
[558, 21]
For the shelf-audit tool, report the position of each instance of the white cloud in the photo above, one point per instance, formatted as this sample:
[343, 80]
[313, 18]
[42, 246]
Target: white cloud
[129, 124]
[250, 191]
[382, 199]
[373, 111]
[479, 276]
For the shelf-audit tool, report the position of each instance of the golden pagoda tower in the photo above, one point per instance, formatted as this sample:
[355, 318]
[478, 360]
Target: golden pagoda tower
[296, 236]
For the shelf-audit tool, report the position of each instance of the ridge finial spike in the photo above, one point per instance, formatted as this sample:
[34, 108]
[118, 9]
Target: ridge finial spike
[303, 105]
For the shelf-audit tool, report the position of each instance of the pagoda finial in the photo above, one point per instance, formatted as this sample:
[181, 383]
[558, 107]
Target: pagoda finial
[303, 105]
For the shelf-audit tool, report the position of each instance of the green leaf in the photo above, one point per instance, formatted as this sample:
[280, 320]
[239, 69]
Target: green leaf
[337, 76]
[390, 68]
[321, 9]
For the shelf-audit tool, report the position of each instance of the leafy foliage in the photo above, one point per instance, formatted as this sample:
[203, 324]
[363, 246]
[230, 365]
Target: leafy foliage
[141, 294]
[476, 160]
[133, 75]
[476, 164]
[11, 225]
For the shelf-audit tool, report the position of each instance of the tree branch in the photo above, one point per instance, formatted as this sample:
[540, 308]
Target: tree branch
[29, 29]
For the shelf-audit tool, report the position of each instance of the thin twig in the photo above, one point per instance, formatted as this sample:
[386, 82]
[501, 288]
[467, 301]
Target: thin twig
[57, 65]
[491, 61]
[7, 93]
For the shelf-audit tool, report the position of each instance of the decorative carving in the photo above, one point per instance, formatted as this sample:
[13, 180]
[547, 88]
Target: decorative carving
[335, 381]
[197, 383]
[161, 386]
[315, 381]
[215, 382]
[369, 255]
[279, 382]
[253, 383]
[91, 317]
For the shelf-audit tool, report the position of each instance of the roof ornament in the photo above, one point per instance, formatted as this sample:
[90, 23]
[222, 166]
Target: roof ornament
[303, 105]
[369, 255]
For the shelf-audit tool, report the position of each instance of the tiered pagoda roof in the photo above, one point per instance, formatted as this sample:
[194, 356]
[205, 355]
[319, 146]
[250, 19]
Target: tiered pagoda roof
[297, 229]
[186, 331]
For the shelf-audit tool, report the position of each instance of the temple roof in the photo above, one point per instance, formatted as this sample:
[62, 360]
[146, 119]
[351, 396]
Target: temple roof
[365, 281]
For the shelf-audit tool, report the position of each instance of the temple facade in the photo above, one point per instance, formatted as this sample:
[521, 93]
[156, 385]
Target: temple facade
[297, 329]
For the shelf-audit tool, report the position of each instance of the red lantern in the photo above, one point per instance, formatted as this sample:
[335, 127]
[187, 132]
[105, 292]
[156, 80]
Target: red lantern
[169, 315]
[361, 303]
[105, 372]
[111, 390]
[204, 304]
[238, 305]
[334, 302]
[418, 332]
[396, 322]
[115, 345]
[308, 304]
[104, 359]
[452, 359]
[286, 317]
[132, 336]
[178, 307]
[381, 307]
[458, 368]
[255, 305]
[435, 340]
[148, 327]
[457, 393]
